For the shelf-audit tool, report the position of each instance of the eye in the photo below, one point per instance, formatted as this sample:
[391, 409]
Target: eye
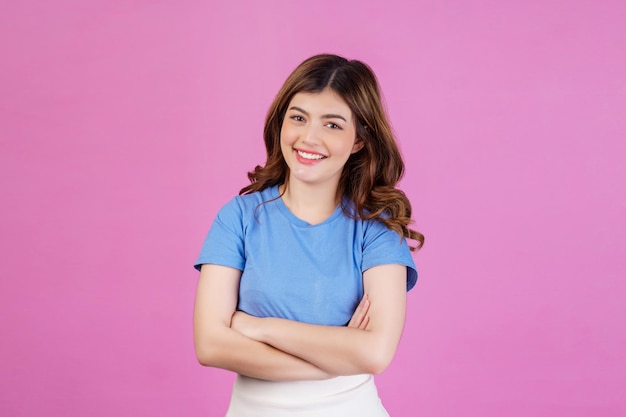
[333, 125]
[297, 118]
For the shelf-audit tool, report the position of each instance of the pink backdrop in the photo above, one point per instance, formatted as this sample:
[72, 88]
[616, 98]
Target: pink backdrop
[124, 126]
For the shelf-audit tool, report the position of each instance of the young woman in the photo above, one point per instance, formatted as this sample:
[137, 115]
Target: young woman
[303, 277]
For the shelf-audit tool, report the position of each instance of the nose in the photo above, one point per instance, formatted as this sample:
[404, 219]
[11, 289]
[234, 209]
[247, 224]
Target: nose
[311, 135]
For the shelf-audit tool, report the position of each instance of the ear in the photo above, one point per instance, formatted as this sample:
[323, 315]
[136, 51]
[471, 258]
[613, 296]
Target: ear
[358, 145]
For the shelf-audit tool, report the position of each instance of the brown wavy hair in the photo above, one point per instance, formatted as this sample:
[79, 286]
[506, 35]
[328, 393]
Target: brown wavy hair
[370, 176]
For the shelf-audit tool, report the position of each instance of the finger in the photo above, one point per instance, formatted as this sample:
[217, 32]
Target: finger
[360, 313]
[364, 323]
[354, 320]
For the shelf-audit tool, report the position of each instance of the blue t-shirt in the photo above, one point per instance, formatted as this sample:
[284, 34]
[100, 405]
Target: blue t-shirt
[298, 271]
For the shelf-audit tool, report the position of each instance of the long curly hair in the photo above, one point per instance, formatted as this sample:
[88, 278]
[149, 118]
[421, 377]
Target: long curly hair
[370, 176]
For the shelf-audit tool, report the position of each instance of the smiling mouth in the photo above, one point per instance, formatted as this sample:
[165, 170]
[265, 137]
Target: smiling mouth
[310, 156]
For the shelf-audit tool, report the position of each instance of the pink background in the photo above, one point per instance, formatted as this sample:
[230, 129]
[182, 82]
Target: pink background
[124, 126]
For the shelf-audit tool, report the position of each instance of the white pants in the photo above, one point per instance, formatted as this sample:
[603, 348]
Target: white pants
[343, 396]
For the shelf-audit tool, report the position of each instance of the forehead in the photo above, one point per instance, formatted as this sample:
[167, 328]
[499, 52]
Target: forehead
[324, 102]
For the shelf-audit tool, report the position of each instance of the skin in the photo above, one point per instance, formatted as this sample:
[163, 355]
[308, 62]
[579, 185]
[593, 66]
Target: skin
[318, 124]
[322, 126]
[342, 350]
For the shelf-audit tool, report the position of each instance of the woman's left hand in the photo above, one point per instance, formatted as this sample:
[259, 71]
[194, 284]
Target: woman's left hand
[360, 319]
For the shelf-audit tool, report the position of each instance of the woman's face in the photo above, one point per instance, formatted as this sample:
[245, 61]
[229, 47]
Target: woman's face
[317, 137]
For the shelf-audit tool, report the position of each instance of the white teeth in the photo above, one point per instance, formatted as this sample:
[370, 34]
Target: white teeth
[307, 155]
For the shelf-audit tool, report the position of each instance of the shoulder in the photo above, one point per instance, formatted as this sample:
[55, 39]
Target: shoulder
[375, 231]
[382, 245]
[240, 209]
[370, 227]
[249, 202]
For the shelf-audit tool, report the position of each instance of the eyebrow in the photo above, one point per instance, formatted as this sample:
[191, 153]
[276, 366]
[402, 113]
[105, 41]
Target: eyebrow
[324, 116]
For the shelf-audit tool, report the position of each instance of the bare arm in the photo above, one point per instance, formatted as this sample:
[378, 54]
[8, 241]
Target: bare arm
[218, 345]
[343, 350]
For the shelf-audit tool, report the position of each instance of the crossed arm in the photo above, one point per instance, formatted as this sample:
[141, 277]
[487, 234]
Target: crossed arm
[280, 349]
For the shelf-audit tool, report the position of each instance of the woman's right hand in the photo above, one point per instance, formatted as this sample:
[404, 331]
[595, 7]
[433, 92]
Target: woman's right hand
[360, 319]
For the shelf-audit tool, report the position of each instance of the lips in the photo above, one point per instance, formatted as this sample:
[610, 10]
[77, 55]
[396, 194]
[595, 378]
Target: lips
[309, 156]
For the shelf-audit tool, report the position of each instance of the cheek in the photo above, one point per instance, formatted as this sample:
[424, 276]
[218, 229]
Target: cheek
[283, 140]
[285, 136]
[345, 146]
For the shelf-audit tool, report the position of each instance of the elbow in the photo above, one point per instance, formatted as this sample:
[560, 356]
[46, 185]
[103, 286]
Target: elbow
[203, 360]
[378, 358]
[211, 347]
[203, 357]
[378, 365]
[206, 355]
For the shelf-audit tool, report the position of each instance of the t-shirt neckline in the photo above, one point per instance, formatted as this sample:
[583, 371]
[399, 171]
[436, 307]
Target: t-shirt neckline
[295, 220]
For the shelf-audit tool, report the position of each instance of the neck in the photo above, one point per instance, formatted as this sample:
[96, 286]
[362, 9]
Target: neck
[312, 204]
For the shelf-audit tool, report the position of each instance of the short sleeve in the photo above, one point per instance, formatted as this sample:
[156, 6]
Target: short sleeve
[224, 244]
[382, 246]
